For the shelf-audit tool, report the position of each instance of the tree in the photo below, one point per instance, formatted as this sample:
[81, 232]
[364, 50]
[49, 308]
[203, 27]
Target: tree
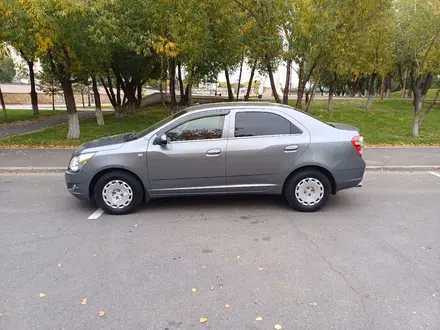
[418, 46]
[7, 70]
[22, 34]
[48, 84]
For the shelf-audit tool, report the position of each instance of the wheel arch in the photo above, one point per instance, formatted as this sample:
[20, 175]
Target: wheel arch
[321, 169]
[101, 173]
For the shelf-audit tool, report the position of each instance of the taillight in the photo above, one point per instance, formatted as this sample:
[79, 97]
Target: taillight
[358, 144]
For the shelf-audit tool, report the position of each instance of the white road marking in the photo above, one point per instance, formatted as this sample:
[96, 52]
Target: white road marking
[436, 174]
[95, 215]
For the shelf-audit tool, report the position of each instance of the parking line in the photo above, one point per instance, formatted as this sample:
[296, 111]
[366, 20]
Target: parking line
[95, 215]
[436, 174]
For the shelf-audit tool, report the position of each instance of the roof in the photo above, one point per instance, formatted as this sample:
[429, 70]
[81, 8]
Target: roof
[243, 104]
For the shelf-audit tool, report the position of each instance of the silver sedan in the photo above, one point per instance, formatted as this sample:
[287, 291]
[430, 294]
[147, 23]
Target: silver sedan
[224, 148]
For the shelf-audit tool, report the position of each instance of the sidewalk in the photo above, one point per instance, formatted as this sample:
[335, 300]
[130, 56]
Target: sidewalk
[377, 159]
[32, 126]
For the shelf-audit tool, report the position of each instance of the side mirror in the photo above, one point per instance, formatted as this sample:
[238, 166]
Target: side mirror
[162, 140]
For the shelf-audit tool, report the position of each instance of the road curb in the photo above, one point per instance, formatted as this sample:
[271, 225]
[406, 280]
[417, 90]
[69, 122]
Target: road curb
[402, 168]
[32, 169]
[379, 168]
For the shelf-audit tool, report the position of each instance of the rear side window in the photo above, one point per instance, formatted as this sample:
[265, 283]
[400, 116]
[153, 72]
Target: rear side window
[262, 123]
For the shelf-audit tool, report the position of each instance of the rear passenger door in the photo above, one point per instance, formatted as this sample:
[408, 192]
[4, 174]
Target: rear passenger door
[262, 148]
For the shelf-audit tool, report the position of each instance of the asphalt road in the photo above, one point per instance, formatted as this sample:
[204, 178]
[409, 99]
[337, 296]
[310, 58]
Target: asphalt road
[369, 260]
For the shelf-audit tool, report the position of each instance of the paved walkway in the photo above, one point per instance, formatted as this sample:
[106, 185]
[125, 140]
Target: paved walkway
[397, 157]
[28, 127]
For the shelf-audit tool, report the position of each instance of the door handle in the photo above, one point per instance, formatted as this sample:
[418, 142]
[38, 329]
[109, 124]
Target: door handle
[292, 148]
[213, 152]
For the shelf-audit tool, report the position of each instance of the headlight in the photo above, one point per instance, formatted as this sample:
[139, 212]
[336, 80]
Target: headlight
[78, 162]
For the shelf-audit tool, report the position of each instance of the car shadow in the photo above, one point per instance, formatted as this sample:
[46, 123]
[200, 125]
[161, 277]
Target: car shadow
[219, 201]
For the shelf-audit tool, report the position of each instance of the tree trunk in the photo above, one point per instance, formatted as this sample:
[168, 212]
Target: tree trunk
[120, 108]
[189, 88]
[72, 115]
[382, 88]
[371, 91]
[272, 83]
[2, 101]
[251, 78]
[82, 98]
[53, 100]
[34, 96]
[97, 97]
[417, 87]
[89, 103]
[179, 67]
[172, 66]
[431, 106]
[312, 96]
[239, 77]
[300, 89]
[287, 84]
[228, 82]
[404, 84]
[399, 72]
[330, 98]
[139, 96]
[388, 84]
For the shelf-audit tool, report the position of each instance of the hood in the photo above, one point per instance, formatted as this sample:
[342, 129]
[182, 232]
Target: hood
[344, 127]
[102, 144]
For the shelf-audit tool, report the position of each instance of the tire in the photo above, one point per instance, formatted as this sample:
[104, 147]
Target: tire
[307, 191]
[118, 192]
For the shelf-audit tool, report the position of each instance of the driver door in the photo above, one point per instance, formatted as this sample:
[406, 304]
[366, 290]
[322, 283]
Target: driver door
[194, 159]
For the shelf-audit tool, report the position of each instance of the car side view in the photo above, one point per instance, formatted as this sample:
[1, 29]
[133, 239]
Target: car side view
[223, 148]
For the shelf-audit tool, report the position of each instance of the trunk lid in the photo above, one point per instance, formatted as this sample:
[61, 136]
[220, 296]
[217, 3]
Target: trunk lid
[344, 127]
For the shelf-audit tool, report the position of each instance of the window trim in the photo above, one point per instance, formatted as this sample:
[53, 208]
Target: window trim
[254, 110]
[224, 128]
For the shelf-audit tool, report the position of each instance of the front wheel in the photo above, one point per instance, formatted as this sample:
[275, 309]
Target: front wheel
[118, 192]
[307, 191]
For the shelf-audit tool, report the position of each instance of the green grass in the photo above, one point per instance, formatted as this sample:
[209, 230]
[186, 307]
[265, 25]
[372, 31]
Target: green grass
[56, 136]
[429, 96]
[15, 116]
[389, 122]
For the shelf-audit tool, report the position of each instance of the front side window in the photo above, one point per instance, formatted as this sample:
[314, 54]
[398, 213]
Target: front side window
[206, 128]
[262, 123]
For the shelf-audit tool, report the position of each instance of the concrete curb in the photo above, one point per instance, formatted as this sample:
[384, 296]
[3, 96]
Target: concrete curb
[380, 168]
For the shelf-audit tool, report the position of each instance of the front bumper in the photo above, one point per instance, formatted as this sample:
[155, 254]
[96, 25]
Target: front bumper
[78, 184]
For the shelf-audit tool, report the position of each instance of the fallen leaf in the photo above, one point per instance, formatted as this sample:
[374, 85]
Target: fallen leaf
[203, 266]
[194, 289]
[135, 225]
[238, 257]
[203, 320]
[212, 288]
[1, 314]
[278, 327]
[220, 285]
[101, 313]
[259, 318]
[42, 295]
[312, 304]
[94, 254]
[260, 268]
[84, 301]
[59, 265]
[227, 306]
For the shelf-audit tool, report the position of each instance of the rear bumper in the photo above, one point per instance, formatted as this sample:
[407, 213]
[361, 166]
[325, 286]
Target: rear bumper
[349, 178]
[78, 184]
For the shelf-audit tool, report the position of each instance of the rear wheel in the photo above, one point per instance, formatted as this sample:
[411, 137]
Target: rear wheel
[118, 193]
[307, 191]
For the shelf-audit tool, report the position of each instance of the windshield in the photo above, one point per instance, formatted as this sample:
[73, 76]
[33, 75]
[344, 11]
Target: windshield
[159, 124]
